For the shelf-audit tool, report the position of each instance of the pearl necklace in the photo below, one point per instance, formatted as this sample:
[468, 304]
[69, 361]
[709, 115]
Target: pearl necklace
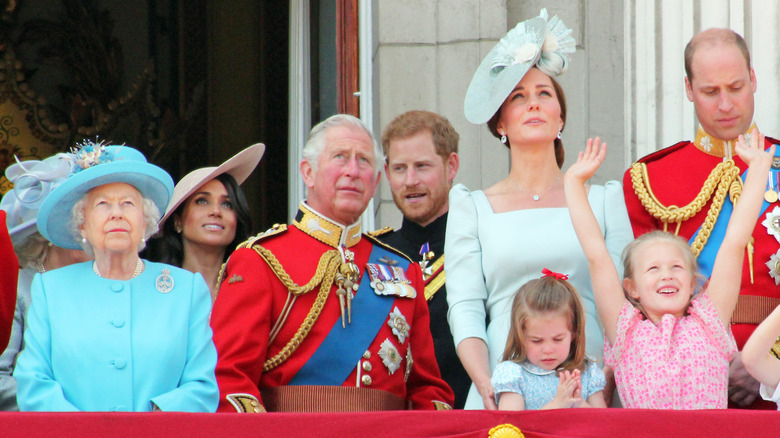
[139, 266]
[533, 196]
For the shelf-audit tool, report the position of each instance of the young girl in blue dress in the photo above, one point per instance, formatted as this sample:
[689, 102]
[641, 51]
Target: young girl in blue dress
[544, 363]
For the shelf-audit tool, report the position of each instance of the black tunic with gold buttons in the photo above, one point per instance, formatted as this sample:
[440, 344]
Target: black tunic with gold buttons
[409, 239]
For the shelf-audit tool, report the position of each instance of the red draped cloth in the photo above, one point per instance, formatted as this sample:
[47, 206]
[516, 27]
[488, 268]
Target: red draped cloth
[397, 424]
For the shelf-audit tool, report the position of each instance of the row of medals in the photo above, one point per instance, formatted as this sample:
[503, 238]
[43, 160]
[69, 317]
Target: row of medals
[771, 194]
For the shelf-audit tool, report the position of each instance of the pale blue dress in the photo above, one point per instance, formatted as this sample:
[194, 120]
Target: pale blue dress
[539, 386]
[489, 256]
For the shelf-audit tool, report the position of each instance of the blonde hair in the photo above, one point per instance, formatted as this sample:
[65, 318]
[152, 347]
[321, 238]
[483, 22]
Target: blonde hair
[655, 236]
[543, 296]
[32, 251]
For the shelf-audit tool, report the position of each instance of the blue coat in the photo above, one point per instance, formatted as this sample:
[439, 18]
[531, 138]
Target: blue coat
[94, 344]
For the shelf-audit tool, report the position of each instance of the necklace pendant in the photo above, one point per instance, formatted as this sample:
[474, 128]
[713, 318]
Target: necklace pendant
[536, 197]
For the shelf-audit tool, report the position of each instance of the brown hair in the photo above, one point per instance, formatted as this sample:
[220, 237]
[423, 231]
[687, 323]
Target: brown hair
[410, 123]
[559, 151]
[547, 295]
[653, 236]
[713, 36]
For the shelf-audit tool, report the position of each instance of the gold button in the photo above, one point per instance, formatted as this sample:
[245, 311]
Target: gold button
[366, 380]
[367, 355]
[367, 366]
[258, 410]
[254, 403]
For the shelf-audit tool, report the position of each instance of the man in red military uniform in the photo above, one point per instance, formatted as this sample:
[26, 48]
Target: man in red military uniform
[688, 188]
[9, 270]
[317, 316]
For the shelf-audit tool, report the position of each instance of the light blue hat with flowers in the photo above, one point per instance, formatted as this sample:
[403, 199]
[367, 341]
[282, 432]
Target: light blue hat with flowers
[536, 42]
[33, 180]
[96, 164]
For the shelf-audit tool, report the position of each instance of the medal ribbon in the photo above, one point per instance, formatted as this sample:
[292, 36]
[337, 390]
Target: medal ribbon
[399, 275]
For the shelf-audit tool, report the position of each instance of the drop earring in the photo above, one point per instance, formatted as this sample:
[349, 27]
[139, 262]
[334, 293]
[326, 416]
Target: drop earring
[503, 138]
[559, 135]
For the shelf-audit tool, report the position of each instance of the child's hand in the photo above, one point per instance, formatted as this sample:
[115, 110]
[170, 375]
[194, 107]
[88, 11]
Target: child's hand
[754, 153]
[569, 392]
[577, 395]
[587, 163]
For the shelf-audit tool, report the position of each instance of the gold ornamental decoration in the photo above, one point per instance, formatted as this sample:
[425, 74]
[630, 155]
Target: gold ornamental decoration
[324, 276]
[724, 179]
[505, 431]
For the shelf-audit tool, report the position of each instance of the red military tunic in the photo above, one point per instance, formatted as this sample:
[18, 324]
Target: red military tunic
[9, 270]
[251, 299]
[677, 174]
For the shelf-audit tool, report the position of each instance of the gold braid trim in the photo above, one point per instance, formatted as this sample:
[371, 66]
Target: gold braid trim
[326, 272]
[724, 179]
[221, 275]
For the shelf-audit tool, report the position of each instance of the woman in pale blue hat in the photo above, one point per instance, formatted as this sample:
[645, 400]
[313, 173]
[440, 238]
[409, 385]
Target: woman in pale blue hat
[119, 333]
[33, 180]
[500, 238]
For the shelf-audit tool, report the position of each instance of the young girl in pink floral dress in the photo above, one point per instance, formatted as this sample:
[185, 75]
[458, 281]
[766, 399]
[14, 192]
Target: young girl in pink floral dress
[669, 346]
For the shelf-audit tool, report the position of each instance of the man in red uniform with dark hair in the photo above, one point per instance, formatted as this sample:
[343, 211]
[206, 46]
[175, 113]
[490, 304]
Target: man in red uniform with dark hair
[317, 316]
[688, 188]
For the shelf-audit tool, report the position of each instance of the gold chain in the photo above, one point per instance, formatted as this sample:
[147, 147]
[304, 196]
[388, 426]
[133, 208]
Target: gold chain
[326, 272]
[723, 179]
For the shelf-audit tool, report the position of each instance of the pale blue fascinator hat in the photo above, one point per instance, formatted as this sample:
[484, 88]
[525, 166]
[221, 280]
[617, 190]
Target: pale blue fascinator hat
[538, 42]
[96, 164]
[33, 180]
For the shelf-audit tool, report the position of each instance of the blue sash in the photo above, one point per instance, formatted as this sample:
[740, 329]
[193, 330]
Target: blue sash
[710, 250]
[340, 351]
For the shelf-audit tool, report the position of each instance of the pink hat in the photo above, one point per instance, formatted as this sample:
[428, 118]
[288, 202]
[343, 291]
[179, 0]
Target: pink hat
[239, 166]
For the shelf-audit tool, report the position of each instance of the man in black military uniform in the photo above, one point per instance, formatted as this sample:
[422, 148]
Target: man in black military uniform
[422, 160]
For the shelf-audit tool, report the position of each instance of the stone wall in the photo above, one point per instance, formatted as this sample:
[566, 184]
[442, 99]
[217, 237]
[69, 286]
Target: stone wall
[427, 51]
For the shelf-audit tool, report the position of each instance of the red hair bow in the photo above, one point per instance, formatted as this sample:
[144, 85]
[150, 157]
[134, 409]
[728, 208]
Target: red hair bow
[558, 276]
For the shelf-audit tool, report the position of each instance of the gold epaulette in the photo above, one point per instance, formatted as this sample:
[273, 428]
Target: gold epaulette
[380, 232]
[274, 230]
[373, 239]
[249, 243]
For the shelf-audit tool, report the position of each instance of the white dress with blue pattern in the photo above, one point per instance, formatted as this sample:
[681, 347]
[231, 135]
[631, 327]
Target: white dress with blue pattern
[539, 386]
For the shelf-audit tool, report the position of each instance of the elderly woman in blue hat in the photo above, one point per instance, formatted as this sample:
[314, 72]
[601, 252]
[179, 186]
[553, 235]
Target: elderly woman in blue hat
[119, 333]
[32, 180]
[501, 237]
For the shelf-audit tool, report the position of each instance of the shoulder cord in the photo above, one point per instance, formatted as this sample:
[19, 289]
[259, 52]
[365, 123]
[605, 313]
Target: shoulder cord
[723, 179]
[324, 276]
